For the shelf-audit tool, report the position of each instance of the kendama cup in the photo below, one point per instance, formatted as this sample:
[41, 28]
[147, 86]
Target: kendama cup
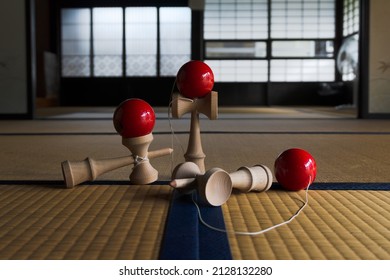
[214, 187]
[143, 172]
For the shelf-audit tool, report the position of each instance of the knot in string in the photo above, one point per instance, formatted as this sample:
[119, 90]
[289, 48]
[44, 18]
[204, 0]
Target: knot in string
[139, 160]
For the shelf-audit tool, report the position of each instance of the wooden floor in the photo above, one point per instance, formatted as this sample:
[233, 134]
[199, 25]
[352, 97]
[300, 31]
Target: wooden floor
[109, 219]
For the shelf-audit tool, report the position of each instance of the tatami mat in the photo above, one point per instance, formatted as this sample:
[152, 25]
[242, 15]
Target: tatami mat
[114, 220]
[127, 222]
[90, 222]
[340, 158]
[335, 225]
[243, 125]
[63, 113]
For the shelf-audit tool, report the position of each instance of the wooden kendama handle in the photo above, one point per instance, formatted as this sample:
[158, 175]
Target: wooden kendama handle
[246, 179]
[207, 105]
[194, 151]
[77, 172]
[256, 178]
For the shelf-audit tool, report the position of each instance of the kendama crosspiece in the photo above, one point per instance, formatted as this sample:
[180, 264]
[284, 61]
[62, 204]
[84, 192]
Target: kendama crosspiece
[134, 120]
[195, 81]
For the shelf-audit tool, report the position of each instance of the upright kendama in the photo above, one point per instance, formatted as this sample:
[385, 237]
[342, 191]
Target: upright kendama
[195, 81]
[134, 120]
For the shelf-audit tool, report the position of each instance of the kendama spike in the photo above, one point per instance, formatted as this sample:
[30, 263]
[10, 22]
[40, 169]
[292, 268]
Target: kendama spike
[208, 106]
[246, 179]
[77, 172]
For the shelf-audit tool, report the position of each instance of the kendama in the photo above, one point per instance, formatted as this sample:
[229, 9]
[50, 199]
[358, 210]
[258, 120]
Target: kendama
[295, 169]
[215, 186]
[195, 81]
[134, 120]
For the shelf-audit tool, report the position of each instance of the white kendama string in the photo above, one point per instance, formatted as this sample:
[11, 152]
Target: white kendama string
[260, 231]
[138, 160]
[173, 135]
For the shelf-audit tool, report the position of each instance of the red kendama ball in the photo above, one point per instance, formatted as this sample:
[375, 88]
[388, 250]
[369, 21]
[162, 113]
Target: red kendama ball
[295, 169]
[195, 79]
[133, 118]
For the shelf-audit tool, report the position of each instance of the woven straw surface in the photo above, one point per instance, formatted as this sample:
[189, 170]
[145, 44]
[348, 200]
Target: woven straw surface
[119, 221]
[89, 222]
[340, 158]
[335, 225]
[242, 123]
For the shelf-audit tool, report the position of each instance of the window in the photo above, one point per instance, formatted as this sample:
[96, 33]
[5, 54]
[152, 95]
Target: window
[239, 70]
[234, 32]
[117, 42]
[245, 19]
[302, 70]
[308, 48]
[76, 42]
[107, 41]
[236, 49]
[270, 40]
[351, 37]
[351, 17]
[175, 39]
[302, 18]
[141, 41]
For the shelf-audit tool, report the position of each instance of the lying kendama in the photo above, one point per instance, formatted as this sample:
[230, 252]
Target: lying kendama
[215, 186]
[134, 120]
[295, 169]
